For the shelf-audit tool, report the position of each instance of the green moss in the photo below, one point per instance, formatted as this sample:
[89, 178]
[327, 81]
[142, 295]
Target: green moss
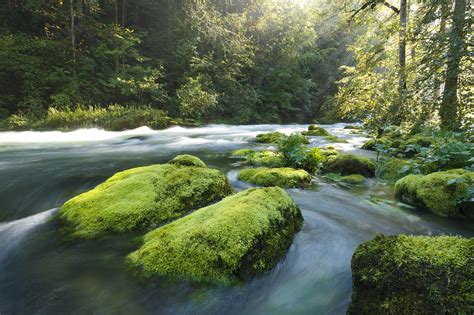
[347, 164]
[242, 152]
[394, 169]
[352, 127]
[243, 235]
[413, 275]
[353, 179]
[443, 193]
[187, 160]
[335, 139]
[266, 158]
[282, 177]
[316, 131]
[143, 197]
[270, 137]
[372, 143]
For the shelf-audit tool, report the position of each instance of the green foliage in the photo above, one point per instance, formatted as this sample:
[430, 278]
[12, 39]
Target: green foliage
[143, 198]
[242, 152]
[194, 100]
[266, 158]
[113, 117]
[282, 177]
[270, 137]
[444, 193]
[394, 169]
[237, 238]
[348, 164]
[187, 160]
[413, 275]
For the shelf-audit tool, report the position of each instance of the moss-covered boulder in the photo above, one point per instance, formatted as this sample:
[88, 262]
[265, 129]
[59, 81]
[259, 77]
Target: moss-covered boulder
[283, 177]
[353, 179]
[242, 152]
[240, 236]
[413, 275]
[270, 137]
[143, 197]
[316, 131]
[394, 169]
[266, 158]
[446, 193]
[347, 164]
[373, 143]
[352, 127]
[187, 160]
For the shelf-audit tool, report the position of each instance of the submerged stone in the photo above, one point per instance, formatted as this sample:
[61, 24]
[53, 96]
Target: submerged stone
[446, 193]
[143, 197]
[347, 164]
[353, 179]
[234, 239]
[413, 275]
[187, 160]
[283, 177]
[270, 137]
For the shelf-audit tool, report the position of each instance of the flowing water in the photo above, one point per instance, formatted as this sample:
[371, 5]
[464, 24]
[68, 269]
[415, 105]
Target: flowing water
[43, 272]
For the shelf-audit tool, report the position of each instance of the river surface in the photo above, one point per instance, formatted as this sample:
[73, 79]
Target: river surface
[43, 272]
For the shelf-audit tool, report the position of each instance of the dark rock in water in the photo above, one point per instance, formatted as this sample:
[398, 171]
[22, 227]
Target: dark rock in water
[140, 138]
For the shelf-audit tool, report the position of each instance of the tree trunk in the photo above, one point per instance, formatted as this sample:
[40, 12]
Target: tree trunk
[402, 45]
[449, 105]
[116, 25]
[438, 85]
[73, 30]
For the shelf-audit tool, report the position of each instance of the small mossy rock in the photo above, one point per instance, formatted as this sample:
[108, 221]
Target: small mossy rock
[373, 143]
[283, 177]
[413, 275]
[143, 197]
[242, 152]
[353, 179]
[444, 193]
[266, 158]
[347, 164]
[316, 131]
[237, 238]
[187, 160]
[270, 137]
[334, 139]
[352, 127]
[394, 169]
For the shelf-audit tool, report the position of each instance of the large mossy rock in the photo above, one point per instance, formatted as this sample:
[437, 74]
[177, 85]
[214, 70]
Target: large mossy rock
[270, 137]
[348, 164]
[142, 198]
[413, 275]
[283, 177]
[316, 131]
[446, 193]
[266, 158]
[240, 236]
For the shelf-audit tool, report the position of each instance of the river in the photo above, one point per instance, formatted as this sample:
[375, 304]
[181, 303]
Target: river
[43, 272]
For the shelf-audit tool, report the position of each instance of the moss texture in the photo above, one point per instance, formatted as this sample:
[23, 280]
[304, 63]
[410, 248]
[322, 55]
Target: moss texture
[283, 177]
[143, 197]
[316, 131]
[335, 139]
[270, 137]
[266, 158]
[444, 193]
[372, 143]
[413, 275]
[347, 164]
[353, 179]
[243, 235]
[394, 169]
[242, 152]
[187, 160]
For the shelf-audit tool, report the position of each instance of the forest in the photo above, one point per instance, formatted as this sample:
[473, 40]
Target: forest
[249, 61]
[237, 157]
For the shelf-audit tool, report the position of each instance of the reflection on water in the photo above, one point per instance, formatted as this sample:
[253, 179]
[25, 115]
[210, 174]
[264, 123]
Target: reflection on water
[41, 272]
